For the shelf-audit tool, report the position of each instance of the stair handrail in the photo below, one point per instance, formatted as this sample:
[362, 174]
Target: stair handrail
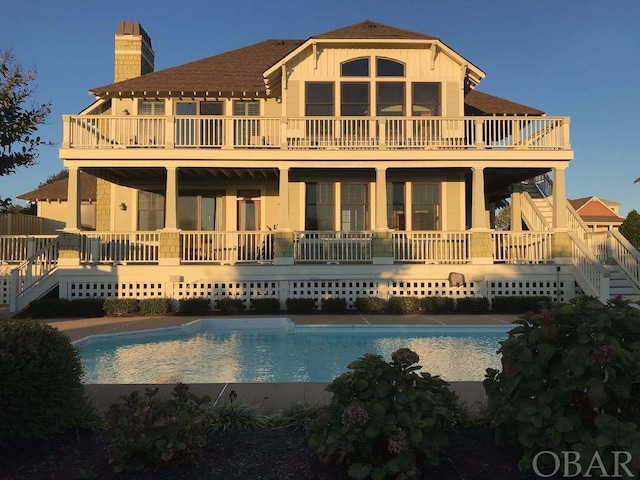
[540, 223]
[625, 255]
[590, 274]
[43, 263]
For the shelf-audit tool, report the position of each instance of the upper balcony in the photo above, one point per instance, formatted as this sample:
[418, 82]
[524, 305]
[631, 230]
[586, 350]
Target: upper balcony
[316, 133]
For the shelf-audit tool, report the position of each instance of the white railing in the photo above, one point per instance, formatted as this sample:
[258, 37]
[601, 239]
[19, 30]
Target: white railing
[532, 214]
[330, 247]
[522, 247]
[226, 247]
[592, 277]
[613, 245]
[111, 247]
[18, 248]
[32, 272]
[106, 131]
[431, 247]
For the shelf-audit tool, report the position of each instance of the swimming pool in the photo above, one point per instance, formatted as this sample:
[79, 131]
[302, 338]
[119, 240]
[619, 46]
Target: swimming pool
[276, 350]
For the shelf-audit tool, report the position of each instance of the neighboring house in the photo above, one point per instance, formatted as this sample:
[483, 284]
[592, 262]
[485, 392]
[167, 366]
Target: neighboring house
[51, 200]
[358, 162]
[599, 214]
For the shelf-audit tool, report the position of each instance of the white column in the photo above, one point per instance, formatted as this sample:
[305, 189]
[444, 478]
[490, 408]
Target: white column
[283, 197]
[381, 199]
[478, 208]
[516, 208]
[559, 200]
[73, 201]
[171, 200]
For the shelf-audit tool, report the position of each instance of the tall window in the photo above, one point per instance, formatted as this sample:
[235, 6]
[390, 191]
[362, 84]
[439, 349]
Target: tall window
[211, 128]
[320, 206]
[186, 127]
[354, 99]
[425, 206]
[149, 131]
[355, 68]
[201, 212]
[390, 98]
[150, 210]
[246, 130]
[425, 99]
[319, 99]
[354, 206]
[395, 206]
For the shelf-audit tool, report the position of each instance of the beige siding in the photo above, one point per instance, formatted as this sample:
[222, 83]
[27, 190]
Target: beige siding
[272, 108]
[453, 204]
[103, 205]
[452, 100]
[296, 205]
[294, 96]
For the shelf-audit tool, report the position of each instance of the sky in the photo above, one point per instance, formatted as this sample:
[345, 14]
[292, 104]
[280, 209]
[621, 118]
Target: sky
[575, 58]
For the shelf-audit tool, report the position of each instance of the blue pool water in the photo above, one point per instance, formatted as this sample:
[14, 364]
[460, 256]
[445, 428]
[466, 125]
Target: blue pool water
[253, 354]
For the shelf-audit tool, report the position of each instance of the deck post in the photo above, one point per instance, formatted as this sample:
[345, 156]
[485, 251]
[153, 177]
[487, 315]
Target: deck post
[381, 199]
[73, 201]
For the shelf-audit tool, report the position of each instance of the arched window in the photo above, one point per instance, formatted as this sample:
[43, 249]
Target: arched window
[355, 68]
[389, 68]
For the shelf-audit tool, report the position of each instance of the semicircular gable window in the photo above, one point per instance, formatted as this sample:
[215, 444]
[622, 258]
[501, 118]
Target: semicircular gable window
[389, 68]
[355, 68]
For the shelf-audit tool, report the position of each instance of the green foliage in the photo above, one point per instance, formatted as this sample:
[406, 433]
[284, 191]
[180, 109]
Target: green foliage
[298, 414]
[371, 305]
[570, 380]
[472, 305]
[300, 305]
[438, 304]
[120, 307]
[519, 303]
[155, 306]
[405, 305]
[40, 389]
[230, 306]
[265, 305]
[146, 431]
[384, 419]
[235, 415]
[61, 175]
[193, 306]
[20, 116]
[64, 308]
[333, 305]
[630, 228]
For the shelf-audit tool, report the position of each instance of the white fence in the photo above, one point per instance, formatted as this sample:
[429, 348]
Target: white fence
[435, 247]
[332, 247]
[226, 247]
[522, 247]
[110, 247]
[20, 224]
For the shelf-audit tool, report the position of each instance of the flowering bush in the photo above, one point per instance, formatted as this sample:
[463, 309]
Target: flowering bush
[570, 381]
[385, 419]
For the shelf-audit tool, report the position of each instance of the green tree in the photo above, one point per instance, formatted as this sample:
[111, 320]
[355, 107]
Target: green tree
[64, 173]
[503, 219]
[630, 228]
[20, 116]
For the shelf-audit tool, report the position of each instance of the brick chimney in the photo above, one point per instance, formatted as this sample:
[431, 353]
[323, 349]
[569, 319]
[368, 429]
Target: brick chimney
[133, 53]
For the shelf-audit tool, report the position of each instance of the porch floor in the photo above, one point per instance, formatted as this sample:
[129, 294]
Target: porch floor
[270, 396]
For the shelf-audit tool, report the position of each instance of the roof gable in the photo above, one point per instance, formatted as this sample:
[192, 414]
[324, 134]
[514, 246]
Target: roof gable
[372, 30]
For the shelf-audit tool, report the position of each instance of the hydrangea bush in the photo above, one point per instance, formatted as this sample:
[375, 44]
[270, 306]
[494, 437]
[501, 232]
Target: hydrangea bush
[385, 419]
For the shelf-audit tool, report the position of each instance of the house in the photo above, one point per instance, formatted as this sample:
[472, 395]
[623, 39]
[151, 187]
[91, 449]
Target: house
[597, 213]
[51, 202]
[358, 162]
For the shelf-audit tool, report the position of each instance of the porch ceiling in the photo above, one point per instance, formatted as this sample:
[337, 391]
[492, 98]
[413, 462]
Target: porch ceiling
[498, 181]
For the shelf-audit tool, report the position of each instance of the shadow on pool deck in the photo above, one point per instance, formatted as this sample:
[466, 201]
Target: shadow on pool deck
[269, 396]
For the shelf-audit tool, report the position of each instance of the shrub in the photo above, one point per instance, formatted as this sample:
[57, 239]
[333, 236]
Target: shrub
[472, 305]
[149, 432]
[230, 306]
[64, 308]
[297, 415]
[155, 306]
[193, 306]
[236, 416]
[570, 381]
[119, 307]
[404, 305]
[333, 305]
[371, 305]
[87, 307]
[438, 304]
[265, 305]
[40, 389]
[300, 305]
[519, 304]
[384, 419]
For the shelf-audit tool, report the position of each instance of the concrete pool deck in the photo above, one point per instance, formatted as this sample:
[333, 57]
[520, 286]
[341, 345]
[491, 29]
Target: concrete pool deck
[270, 396]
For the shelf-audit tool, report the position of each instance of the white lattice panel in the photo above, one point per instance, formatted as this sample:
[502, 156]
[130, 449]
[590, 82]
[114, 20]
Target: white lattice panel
[432, 288]
[245, 290]
[114, 289]
[551, 288]
[5, 285]
[350, 290]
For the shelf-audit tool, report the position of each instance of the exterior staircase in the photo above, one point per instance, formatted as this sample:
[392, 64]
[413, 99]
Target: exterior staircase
[620, 285]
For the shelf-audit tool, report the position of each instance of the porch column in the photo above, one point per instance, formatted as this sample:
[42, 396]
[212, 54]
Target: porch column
[283, 197]
[559, 200]
[381, 199]
[171, 200]
[73, 201]
[516, 208]
[478, 207]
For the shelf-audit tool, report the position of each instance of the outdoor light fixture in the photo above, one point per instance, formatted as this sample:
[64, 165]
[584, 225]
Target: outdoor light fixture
[123, 206]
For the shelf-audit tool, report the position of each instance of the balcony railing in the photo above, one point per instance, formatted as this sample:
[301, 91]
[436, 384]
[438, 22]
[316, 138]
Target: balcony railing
[111, 247]
[522, 247]
[332, 247]
[112, 132]
[226, 247]
[433, 247]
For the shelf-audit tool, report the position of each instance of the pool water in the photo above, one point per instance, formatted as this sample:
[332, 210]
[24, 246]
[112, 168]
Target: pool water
[299, 354]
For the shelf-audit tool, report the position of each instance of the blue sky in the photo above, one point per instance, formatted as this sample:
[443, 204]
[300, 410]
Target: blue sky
[569, 58]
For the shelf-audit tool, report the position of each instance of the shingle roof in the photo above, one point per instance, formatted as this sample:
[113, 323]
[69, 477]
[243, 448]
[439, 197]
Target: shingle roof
[478, 103]
[58, 190]
[373, 30]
